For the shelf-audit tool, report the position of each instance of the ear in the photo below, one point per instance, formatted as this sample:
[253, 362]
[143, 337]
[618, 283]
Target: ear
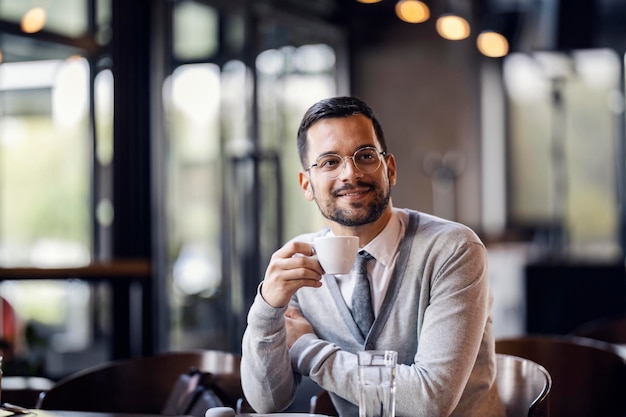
[305, 185]
[391, 169]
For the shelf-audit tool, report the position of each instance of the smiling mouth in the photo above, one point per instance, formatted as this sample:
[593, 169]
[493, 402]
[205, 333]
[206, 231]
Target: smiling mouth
[352, 193]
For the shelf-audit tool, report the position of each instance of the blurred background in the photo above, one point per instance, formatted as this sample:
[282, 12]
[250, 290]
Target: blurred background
[148, 166]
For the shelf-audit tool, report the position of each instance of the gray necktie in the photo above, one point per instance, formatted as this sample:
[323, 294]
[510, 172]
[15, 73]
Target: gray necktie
[362, 310]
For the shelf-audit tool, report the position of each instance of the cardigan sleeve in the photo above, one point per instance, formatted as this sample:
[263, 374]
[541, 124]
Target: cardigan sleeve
[267, 379]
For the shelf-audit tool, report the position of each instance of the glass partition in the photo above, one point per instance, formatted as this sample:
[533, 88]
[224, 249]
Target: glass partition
[563, 129]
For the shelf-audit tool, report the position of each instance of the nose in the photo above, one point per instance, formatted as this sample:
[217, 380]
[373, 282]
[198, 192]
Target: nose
[349, 168]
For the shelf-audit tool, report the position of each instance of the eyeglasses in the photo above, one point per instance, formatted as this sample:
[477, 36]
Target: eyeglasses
[366, 160]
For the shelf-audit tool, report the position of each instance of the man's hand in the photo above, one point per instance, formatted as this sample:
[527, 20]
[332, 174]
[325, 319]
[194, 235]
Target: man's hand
[296, 325]
[291, 268]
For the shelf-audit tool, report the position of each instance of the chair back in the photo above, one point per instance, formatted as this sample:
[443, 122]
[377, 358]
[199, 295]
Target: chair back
[611, 330]
[524, 386]
[589, 377]
[140, 385]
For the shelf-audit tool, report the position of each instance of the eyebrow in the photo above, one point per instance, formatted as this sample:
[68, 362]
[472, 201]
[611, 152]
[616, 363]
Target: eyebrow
[332, 152]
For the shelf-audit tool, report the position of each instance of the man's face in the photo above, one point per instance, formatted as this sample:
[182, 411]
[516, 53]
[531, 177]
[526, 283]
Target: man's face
[354, 198]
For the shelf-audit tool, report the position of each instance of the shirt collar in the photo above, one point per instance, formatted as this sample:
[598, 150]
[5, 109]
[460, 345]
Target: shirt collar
[383, 247]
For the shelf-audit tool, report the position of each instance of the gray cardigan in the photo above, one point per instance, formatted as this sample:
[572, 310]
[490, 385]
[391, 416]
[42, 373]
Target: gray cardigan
[435, 314]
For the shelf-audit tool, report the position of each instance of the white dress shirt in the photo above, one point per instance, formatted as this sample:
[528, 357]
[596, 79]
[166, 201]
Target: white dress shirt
[384, 249]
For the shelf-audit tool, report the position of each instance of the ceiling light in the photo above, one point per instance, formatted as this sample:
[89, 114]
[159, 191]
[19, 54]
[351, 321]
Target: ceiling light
[453, 27]
[492, 44]
[34, 20]
[412, 11]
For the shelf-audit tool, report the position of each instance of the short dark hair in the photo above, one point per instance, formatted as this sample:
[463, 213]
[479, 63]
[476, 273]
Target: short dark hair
[335, 107]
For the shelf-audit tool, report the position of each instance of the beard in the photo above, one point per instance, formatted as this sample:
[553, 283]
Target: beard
[358, 214]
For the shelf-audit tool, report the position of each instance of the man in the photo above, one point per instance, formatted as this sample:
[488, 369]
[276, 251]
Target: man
[429, 287]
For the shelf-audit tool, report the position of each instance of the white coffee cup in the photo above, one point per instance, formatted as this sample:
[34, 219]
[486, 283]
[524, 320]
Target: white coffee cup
[336, 253]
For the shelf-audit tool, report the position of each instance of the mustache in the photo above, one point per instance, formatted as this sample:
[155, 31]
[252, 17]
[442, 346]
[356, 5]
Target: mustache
[350, 187]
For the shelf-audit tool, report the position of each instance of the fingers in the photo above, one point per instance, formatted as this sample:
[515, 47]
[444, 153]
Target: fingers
[297, 257]
[291, 268]
[295, 248]
[296, 325]
[293, 313]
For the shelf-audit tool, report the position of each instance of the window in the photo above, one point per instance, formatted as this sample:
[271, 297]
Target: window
[45, 153]
[562, 151]
[46, 184]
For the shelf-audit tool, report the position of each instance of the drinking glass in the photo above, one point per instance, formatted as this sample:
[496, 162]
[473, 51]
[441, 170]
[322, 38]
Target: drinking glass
[377, 383]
